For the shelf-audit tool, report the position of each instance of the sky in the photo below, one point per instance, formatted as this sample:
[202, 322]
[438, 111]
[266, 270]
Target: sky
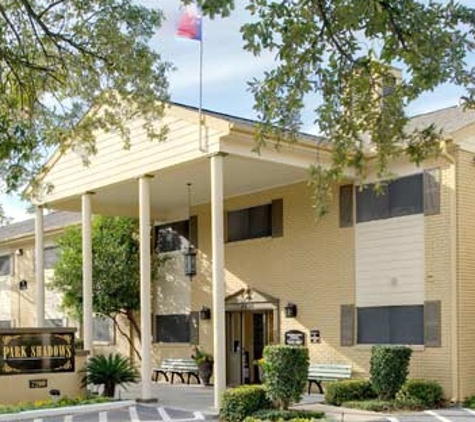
[226, 70]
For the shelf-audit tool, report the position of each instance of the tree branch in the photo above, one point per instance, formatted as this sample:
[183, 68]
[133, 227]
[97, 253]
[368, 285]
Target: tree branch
[396, 29]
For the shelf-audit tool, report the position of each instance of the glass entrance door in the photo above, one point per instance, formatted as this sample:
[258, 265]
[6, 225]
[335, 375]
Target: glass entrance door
[247, 333]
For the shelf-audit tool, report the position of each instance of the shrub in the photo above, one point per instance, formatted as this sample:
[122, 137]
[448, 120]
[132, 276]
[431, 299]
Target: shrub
[286, 369]
[239, 402]
[428, 393]
[110, 371]
[469, 402]
[348, 390]
[371, 405]
[285, 415]
[389, 367]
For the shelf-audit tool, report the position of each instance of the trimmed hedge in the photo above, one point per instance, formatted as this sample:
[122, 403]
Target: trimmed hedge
[389, 368]
[427, 393]
[285, 415]
[242, 401]
[286, 369]
[339, 392]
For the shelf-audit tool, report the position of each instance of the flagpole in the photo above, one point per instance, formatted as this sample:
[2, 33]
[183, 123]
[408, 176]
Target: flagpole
[200, 104]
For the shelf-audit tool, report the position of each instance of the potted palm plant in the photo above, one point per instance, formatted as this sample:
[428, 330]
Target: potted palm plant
[205, 363]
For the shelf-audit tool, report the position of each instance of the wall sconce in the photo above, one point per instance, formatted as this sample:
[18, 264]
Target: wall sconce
[290, 310]
[23, 285]
[19, 252]
[205, 313]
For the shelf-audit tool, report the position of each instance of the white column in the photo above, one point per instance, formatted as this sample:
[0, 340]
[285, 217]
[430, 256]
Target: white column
[87, 270]
[39, 267]
[217, 233]
[145, 300]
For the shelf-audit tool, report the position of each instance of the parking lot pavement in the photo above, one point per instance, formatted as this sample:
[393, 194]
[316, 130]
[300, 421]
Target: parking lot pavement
[439, 415]
[134, 413]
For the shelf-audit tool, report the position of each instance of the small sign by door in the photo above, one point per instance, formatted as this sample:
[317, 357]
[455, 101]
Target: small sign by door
[295, 338]
[315, 336]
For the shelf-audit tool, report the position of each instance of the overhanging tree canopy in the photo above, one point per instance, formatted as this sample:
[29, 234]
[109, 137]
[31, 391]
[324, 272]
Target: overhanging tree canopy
[63, 58]
[336, 55]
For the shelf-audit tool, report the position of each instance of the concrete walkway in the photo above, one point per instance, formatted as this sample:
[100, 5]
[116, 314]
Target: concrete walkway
[196, 397]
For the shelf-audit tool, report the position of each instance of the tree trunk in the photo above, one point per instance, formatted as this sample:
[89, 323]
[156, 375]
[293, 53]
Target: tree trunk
[109, 389]
[129, 339]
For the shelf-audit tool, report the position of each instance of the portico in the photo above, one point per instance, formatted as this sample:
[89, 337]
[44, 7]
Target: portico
[148, 180]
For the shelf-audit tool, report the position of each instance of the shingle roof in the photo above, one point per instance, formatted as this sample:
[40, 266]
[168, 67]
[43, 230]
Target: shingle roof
[51, 221]
[449, 119]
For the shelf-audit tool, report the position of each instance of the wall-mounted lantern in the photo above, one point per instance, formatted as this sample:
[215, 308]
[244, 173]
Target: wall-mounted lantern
[23, 285]
[290, 310]
[205, 313]
[190, 262]
[19, 252]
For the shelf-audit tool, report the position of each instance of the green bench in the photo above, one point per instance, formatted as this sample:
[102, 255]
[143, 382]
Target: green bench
[176, 366]
[319, 372]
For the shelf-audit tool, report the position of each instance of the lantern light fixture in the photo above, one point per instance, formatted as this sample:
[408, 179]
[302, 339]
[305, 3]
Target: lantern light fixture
[205, 313]
[290, 310]
[190, 252]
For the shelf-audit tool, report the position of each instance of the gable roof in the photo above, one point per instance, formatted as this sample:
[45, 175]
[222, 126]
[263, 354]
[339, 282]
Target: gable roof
[449, 120]
[53, 220]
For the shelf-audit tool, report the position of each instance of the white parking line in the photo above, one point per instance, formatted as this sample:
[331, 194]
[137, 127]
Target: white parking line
[199, 416]
[392, 419]
[164, 414]
[102, 416]
[38, 420]
[68, 418]
[437, 416]
[469, 410]
[134, 416]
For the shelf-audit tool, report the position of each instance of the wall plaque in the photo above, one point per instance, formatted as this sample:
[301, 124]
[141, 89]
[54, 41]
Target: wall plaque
[38, 351]
[295, 338]
[39, 383]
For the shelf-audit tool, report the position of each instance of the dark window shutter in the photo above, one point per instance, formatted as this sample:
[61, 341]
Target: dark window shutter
[432, 191]
[347, 325]
[194, 231]
[195, 327]
[346, 206]
[432, 329]
[277, 218]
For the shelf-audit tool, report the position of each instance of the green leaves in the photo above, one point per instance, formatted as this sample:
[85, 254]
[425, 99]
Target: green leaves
[116, 273]
[110, 370]
[338, 56]
[61, 62]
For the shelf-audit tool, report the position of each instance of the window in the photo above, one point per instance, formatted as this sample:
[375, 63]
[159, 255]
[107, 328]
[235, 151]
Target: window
[403, 196]
[103, 329]
[5, 265]
[178, 328]
[174, 236]
[54, 322]
[252, 223]
[50, 257]
[5, 323]
[391, 325]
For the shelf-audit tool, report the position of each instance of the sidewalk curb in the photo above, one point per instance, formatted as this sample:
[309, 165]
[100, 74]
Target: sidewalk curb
[69, 410]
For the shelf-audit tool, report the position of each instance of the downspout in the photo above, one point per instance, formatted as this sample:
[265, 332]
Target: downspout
[454, 291]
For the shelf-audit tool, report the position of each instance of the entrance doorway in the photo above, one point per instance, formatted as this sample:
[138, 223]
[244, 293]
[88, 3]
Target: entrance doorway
[250, 326]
